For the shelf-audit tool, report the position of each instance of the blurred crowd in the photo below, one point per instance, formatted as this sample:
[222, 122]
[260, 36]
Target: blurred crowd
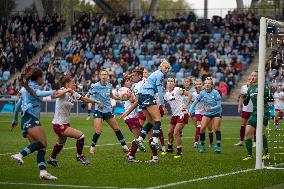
[218, 47]
[21, 37]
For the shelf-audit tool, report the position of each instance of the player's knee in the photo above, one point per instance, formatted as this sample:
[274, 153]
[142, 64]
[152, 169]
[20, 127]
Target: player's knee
[44, 144]
[60, 143]
[217, 129]
[158, 123]
[116, 129]
[177, 134]
[81, 137]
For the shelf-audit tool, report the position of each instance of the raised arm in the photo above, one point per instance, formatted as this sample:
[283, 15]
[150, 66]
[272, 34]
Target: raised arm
[93, 101]
[16, 112]
[132, 108]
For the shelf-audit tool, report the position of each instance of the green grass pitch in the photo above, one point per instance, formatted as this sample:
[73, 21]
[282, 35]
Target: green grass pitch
[109, 168]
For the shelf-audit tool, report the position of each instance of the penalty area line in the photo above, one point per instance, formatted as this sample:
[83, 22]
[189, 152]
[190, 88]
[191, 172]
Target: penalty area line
[200, 179]
[98, 145]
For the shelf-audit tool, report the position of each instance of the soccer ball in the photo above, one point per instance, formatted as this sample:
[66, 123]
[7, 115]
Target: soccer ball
[124, 93]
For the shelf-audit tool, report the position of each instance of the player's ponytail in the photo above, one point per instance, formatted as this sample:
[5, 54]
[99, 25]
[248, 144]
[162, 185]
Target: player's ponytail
[64, 81]
[125, 78]
[139, 71]
[33, 75]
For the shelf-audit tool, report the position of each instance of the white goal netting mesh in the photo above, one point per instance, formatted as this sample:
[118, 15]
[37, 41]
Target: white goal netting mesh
[274, 57]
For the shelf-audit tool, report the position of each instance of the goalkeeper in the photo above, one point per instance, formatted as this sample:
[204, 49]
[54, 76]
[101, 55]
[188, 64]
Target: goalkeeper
[252, 121]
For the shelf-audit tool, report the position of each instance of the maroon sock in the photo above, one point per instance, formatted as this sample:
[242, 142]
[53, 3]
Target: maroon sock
[197, 133]
[170, 146]
[154, 150]
[80, 145]
[133, 149]
[277, 122]
[242, 133]
[56, 149]
[161, 137]
[179, 151]
[211, 137]
[254, 139]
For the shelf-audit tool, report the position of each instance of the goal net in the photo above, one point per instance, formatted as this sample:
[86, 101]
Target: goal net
[271, 75]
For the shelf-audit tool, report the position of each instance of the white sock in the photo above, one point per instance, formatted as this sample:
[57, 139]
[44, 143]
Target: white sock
[140, 138]
[156, 139]
[155, 157]
[42, 172]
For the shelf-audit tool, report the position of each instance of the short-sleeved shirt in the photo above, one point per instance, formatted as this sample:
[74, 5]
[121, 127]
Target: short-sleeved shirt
[137, 88]
[199, 108]
[212, 100]
[175, 100]
[151, 84]
[102, 93]
[63, 106]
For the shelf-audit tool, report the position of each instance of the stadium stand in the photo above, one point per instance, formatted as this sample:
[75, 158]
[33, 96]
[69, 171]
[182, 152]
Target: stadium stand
[220, 47]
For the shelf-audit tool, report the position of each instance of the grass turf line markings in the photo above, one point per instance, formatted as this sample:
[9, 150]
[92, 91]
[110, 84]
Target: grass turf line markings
[200, 179]
[153, 187]
[70, 148]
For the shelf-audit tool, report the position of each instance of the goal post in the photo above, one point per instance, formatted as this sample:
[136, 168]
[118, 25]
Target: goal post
[264, 23]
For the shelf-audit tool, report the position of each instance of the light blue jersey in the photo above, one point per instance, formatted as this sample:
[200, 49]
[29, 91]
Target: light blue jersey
[29, 103]
[153, 85]
[92, 96]
[210, 99]
[192, 90]
[102, 93]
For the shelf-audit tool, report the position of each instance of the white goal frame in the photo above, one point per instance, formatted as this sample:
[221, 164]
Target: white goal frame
[264, 22]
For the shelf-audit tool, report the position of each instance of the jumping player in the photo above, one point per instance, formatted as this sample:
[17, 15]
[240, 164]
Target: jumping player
[147, 101]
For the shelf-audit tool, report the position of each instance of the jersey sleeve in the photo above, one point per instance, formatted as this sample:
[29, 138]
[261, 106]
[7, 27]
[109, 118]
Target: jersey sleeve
[218, 100]
[93, 89]
[200, 96]
[17, 110]
[178, 91]
[41, 93]
[77, 96]
[166, 97]
[197, 99]
[159, 79]
[243, 90]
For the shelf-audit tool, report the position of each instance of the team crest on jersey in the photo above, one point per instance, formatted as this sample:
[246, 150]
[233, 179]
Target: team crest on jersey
[135, 91]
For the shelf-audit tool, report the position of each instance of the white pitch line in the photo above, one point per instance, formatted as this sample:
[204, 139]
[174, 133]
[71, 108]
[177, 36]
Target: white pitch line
[69, 148]
[200, 179]
[60, 185]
